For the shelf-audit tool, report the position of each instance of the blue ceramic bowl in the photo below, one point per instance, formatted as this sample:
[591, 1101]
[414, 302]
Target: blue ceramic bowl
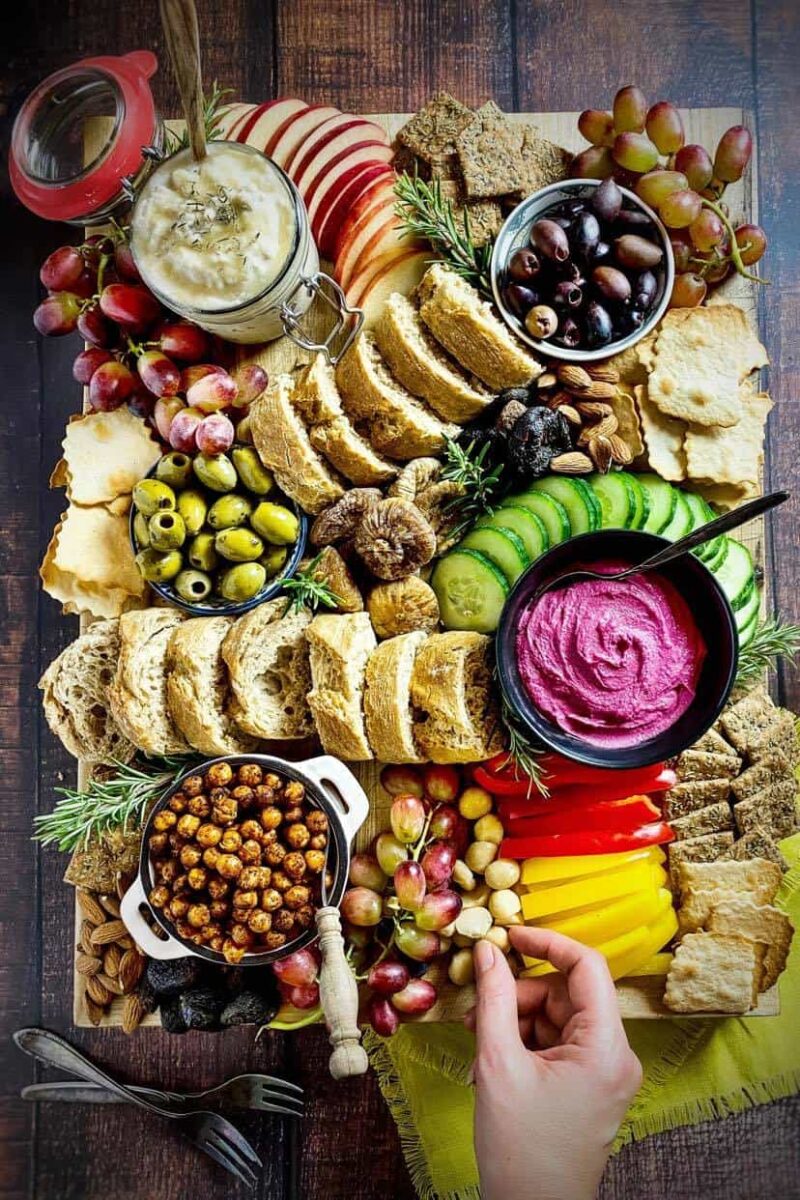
[216, 606]
[712, 614]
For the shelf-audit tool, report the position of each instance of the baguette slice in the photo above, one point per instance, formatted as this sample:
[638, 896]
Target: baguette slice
[75, 700]
[457, 718]
[398, 425]
[138, 695]
[468, 329]
[387, 701]
[417, 360]
[198, 691]
[339, 647]
[267, 659]
[284, 446]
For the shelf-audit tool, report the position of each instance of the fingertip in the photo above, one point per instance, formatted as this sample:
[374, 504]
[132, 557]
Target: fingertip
[483, 957]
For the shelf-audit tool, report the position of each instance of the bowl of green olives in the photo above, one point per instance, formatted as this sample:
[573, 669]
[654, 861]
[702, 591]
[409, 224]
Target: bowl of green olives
[213, 534]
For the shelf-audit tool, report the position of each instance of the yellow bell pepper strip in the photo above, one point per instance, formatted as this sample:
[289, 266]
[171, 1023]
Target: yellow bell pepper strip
[625, 943]
[601, 841]
[658, 964]
[543, 870]
[629, 950]
[640, 877]
[599, 924]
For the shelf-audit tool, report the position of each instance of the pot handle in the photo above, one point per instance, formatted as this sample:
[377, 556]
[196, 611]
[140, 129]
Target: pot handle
[353, 812]
[141, 932]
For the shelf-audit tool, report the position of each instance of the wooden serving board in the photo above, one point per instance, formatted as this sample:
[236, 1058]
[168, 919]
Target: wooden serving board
[640, 997]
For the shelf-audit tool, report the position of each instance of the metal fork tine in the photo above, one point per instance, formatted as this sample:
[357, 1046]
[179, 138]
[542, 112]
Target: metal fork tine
[221, 1156]
[229, 1133]
[225, 1147]
[266, 1106]
[275, 1082]
[269, 1094]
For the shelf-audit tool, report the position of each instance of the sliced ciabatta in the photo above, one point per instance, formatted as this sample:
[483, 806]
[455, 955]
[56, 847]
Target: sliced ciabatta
[267, 659]
[387, 700]
[339, 647]
[451, 691]
[138, 695]
[198, 689]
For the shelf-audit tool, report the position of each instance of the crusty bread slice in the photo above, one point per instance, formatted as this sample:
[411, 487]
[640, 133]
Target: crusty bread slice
[387, 700]
[396, 423]
[75, 700]
[468, 329]
[456, 717]
[283, 445]
[267, 658]
[419, 363]
[339, 647]
[198, 690]
[138, 695]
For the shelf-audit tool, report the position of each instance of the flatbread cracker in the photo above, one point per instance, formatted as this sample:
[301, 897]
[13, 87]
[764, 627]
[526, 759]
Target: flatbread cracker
[77, 597]
[106, 453]
[712, 819]
[94, 546]
[696, 793]
[704, 764]
[772, 768]
[490, 154]
[773, 808]
[758, 923]
[663, 437]
[726, 496]
[628, 424]
[756, 876]
[734, 455]
[435, 128]
[746, 720]
[542, 162]
[704, 849]
[780, 735]
[711, 972]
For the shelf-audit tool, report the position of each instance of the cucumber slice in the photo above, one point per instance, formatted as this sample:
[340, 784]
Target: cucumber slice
[550, 511]
[720, 554]
[744, 597]
[701, 515]
[747, 615]
[471, 591]
[746, 634]
[616, 498]
[524, 523]
[681, 521]
[735, 575]
[503, 547]
[583, 508]
[663, 500]
[642, 511]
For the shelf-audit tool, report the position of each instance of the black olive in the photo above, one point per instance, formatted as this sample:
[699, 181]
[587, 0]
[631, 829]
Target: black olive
[645, 289]
[612, 284]
[599, 329]
[636, 252]
[600, 254]
[567, 295]
[632, 221]
[571, 271]
[585, 234]
[569, 334]
[524, 265]
[564, 222]
[606, 201]
[549, 238]
[573, 207]
[520, 299]
[629, 321]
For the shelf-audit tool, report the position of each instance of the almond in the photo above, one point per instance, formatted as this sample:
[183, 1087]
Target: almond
[133, 1012]
[109, 932]
[111, 985]
[131, 968]
[97, 991]
[593, 408]
[87, 964]
[620, 450]
[546, 381]
[604, 372]
[111, 905]
[85, 937]
[95, 1012]
[600, 451]
[575, 379]
[600, 391]
[573, 463]
[559, 398]
[570, 414]
[111, 961]
[607, 426]
[127, 942]
[91, 907]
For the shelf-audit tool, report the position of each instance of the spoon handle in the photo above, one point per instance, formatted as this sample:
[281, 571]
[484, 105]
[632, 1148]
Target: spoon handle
[179, 20]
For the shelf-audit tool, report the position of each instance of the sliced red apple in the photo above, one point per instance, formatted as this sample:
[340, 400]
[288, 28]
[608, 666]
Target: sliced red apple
[261, 127]
[401, 274]
[332, 205]
[341, 131]
[294, 133]
[342, 152]
[231, 117]
[382, 247]
[362, 209]
[376, 219]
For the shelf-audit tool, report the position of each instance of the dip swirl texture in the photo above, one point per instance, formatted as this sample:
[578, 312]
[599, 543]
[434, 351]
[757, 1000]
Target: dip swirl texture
[612, 663]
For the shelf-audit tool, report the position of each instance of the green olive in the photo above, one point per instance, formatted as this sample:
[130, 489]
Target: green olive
[193, 586]
[243, 434]
[275, 523]
[150, 495]
[202, 554]
[229, 511]
[175, 469]
[253, 474]
[159, 568]
[238, 545]
[242, 582]
[193, 508]
[167, 531]
[140, 531]
[215, 471]
[274, 560]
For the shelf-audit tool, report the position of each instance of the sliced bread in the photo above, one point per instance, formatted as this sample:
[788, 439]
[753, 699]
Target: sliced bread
[456, 719]
[267, 659]
[198, 689]
[339, 647]
[387, 700]
[468, 329]
[418, 362]
[396, 423]
[138, 695]
[283, 445]
[75, 699]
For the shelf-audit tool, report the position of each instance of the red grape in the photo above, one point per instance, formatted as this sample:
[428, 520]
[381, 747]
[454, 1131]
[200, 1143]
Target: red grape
[365, 871]
[665, 127]
[215, 434]
[681, 250]
[141, 403]
[86, 284]
[418, 944]
[417, 997]
[123, 261]
[357, 936]
[362, 906]
[110, 386]
[297, 969]
[635, 152]
[62, 269]
[438, 909]
[597, 127]
[441, 783]
[594, 163]
[733, 154]
[183, 341]
[630, 110]
[444, 822]
[409, 884]
[752, 242]
[94, 328]
[190, 375]
[302, 996]
[388, 977]
[130, 305]
[679, 209]
[688, 291]
[57, 315]
[438, 862]
[400, 781]
[212, 392]
[460, 836]
[407, 817]
[382, 1017]
[251, 380]
[389, 852]
[695, 163]
[158, 373]
[656, 185]
[87, 363]
[165, 411]
[718, 268]
[94, 247]
[183, 430]
[706, 230]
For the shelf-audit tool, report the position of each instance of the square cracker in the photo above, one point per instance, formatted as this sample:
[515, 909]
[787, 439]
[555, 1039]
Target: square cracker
[733, 455]
[744, 722]
[774, 767]
[433, 131]
[542, 162]
[701, 358]
[780, 736]
[713, 743]
[697, 793]
[106, 453]
[757, 843]
[761, 879]
[490, 153]
[713, 972]
[703, 849]
[663, 437]
[758, 923]
[707, 764]
[773, 808]
[714, 818]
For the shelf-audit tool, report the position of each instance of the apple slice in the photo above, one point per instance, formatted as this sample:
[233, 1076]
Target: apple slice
[383, 245]
[401, 274]
[341, 151]
[361, 210]
[332, 206]
[231, 117]
[293, 134]
[342, 130]
[379, 216]
[262, 125]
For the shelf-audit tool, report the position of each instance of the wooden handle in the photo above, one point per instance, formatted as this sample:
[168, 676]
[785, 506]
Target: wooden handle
[179, 19]
[339, 996]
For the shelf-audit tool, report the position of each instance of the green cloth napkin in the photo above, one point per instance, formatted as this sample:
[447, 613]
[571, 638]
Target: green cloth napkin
[694, 1070]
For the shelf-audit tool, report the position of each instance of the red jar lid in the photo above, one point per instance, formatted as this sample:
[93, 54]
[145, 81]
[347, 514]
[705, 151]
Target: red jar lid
[46, 160]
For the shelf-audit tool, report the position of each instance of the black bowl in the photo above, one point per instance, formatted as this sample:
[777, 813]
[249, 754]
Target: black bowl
[712, 614]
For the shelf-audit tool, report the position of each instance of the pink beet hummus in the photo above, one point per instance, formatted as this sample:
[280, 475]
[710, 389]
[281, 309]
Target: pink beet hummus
[612, 663]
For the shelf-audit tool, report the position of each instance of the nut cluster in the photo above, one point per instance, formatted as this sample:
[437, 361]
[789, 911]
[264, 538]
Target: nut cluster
[238, 858]
[584, 396]
[108, 961]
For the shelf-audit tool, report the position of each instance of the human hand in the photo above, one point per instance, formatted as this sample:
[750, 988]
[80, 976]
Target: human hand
[554, 1073]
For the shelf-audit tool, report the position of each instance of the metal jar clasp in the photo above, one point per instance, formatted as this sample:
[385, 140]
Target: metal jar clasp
[346, 326]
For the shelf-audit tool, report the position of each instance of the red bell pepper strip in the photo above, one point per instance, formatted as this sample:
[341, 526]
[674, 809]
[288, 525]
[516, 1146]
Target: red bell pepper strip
[617, 815]
[629, 783]
[600, 841]
[562, 772]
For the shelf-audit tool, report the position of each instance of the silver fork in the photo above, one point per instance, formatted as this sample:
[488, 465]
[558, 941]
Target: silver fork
[265, 1093]
[210, 1132]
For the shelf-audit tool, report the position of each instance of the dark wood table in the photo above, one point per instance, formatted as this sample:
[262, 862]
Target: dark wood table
[380, 56]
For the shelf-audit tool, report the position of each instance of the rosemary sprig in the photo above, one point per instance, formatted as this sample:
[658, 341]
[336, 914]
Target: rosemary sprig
[105, 804]
[481, 484]
[212, 117]
[425, 213]
[773, 639]
[307, 591]
[522, 754]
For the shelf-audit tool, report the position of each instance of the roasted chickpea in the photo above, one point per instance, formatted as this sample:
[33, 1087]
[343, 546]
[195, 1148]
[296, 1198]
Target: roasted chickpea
[219, 774]
[296, 896]
[249, 774]
[168, 871]
[199, 806]
[157, 842]
[230, 841]
[209, 931]
[271, 780]
[260, 921]
[229, 866]
[292, 814]
[295, 865]
[241, 935]
[211, 858]
[180, 885]
[240, 916]
[250, 852]
[209, 835]
[243, 899]
[188, 825]
[283, 920]
[250, 829]
[315, 861]
[198, 915]
[318, 842]
[297, 836]
[225, 811]
[304, 916]
[281, 881]
[232, 953]
[271, 900]
[192, 785]
[270, 818]
[185, 929]
[217, 888]
[197, 878]
[294, 792]
[245, 797]
[190, 856]
[174, 841]
[268, 836]
[216, 943]
[164, 821]
[177, 803]
[250, 878]
[273, 940]
[264, 795]
[317, 821]
[275, 853]
[159, 896]
[219, 909]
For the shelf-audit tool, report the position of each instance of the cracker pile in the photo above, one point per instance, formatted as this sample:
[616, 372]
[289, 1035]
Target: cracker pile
[483, 160]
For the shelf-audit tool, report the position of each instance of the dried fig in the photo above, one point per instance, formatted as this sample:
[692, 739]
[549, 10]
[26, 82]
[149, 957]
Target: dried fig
[415, 477]
[394, 539]
[403, 607]
[341, 519]
[436, 503]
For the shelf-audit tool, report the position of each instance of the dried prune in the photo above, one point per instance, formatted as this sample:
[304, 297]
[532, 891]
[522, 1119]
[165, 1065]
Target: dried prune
[249, 1008]
[169, 978]
[171, 1016]
[538, 435]
[201, 1007]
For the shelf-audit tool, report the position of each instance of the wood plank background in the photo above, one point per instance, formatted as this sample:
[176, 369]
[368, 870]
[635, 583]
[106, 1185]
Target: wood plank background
[366, 55]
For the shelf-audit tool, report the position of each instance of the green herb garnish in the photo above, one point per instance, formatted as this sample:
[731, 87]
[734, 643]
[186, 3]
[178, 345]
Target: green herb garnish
[523, 755]
[773, 639]
[469, 468]
[307, 591]
[212, 117]
[425, 213]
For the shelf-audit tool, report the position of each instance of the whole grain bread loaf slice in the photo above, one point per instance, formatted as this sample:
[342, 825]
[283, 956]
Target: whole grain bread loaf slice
[267, 659]
[456, 717]
[387, 701]
[339, 647]
[198, 688]
[138, 694]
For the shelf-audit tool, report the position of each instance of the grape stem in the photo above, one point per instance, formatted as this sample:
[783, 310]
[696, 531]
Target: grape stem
[736, 250]
[420, 846]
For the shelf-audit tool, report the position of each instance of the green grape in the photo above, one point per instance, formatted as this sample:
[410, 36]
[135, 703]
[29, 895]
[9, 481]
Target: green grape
[597, 127]
[635, 152]
[679, 209]
[665, 127]
[706, 230]
[594, 163]
[389, 852]
[656, 185]
[695, 163]
[630, 110]
[688, 291]
[752, 242]
[733, 154]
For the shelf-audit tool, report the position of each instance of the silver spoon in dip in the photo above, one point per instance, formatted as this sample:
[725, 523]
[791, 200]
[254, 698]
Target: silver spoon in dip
[705, 533]
[179, 21]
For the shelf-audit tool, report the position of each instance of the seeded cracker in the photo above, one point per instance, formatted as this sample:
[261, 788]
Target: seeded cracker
[705, 849]
[757, 843]
[714, 973]
[760, 923]
[733, 455]
[542, 162]
[700, 764]
[712, 743]
[772, 768]
[663, 438]
[714, 818]
[773, 808]
[746, 720]
[781, 735]
[435, 128]
[489, 150]
[687, 797]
